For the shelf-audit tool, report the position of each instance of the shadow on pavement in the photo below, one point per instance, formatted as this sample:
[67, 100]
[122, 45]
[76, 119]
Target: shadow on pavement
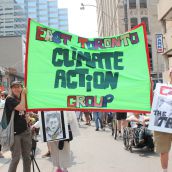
[144, 152]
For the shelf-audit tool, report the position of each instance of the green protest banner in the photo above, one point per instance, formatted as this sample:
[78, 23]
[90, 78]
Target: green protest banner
[68, 72]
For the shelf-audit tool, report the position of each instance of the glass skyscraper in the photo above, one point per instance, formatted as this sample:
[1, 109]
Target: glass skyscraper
[14, 14]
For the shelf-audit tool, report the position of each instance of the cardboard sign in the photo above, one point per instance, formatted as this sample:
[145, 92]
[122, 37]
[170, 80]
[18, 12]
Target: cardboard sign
[161, 114]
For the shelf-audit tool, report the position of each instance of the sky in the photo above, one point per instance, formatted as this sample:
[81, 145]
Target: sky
[81, 22]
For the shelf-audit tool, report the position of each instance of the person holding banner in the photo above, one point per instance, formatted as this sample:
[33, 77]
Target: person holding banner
[60, 150]
[22, 135]
[163, 140]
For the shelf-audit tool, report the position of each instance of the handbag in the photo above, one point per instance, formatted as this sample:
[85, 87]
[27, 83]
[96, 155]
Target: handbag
[61, 142]
[6, 132]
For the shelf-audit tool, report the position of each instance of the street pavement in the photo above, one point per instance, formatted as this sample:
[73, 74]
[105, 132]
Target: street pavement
[97, 151]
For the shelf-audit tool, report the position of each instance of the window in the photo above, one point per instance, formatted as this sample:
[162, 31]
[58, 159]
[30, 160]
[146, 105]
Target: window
[9, 13]
[150, 55]
[8, 8]
[63, 22]
[145, 20]
[55, 15]
[43, 12]
[33, 16]
[43, 18]
[133, 22]
[20, 1]
[8, 26]
[30, 10]
[31, 4]
[132, 4]
[42, 6]
[63, 17]
[143, 3]
[53, 20]
[53, 3]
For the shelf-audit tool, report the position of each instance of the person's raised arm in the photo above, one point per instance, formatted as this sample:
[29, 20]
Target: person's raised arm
[22, 105]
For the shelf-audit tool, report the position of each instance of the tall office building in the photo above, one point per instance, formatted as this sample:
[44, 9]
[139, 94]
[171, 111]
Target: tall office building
[12, 18]
[14, 14]
[63, 19]
[118, 16]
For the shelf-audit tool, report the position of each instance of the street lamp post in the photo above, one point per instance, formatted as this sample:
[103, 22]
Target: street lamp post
[90, 5]
[103, 12]
[125, 16]
[111, 17]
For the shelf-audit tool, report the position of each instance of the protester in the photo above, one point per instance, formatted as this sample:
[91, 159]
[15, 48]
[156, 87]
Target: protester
[163, 141]
[22, 135]
[78, 114]
[104, 119]
[35, 131]
[137, 119]
[121, 118]
[98, 119]
[60, 150]
[87, 118]
[4, 94]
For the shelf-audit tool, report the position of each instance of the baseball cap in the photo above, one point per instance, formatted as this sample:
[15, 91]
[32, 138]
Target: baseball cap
[16, 83]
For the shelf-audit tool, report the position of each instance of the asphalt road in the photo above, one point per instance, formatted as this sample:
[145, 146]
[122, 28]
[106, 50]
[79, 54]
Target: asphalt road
[97, 151]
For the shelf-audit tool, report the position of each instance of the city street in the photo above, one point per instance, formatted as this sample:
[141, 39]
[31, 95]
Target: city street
[97, 151]
[92, 57]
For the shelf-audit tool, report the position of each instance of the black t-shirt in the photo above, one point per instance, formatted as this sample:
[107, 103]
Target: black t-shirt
[20, 124]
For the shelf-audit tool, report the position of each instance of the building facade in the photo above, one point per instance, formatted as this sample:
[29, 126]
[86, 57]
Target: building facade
[11, 60]
[14, 14]
[165, 18]
[116, 17]
[13, 23]
[12, 19]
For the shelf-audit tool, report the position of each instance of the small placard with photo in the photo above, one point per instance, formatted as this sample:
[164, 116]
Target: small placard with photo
[54, 126]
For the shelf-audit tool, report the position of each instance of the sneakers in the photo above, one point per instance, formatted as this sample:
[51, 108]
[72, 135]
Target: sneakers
[46, 155]
[59, 170]
[87, 124]
[97, 129]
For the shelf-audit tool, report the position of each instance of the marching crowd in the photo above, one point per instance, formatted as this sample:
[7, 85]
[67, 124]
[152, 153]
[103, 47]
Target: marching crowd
[26, 126]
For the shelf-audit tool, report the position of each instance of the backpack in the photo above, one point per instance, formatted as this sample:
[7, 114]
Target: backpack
[6, 131]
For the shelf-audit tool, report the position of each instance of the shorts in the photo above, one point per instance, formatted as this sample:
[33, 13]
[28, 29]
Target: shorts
[121, 115]
[162, 142]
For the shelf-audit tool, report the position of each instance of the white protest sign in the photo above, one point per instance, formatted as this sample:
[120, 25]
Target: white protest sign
[161, 113]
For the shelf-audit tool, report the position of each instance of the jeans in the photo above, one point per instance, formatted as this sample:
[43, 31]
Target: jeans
[22, 146]
[97, 117]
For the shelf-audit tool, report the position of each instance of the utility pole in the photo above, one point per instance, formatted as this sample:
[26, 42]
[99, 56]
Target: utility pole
[125, 16]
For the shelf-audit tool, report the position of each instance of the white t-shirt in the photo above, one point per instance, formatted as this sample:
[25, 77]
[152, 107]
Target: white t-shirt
[133, 123]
